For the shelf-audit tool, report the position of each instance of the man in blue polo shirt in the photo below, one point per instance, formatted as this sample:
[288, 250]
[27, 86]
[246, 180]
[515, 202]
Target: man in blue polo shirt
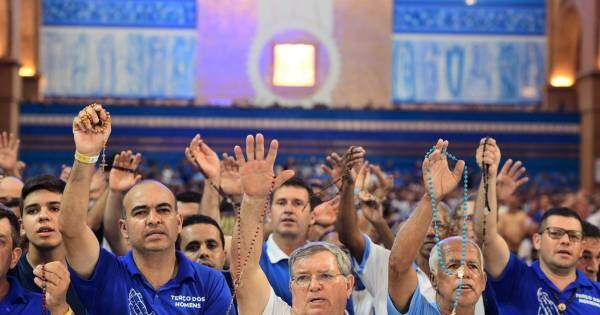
[153, 278]
[13, 298]
[551, 285]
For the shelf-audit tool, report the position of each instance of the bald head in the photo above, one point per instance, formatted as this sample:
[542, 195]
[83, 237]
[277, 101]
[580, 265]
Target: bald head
[10, 193]
[146, 191]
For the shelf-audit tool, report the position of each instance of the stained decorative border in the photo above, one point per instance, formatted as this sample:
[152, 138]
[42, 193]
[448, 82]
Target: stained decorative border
[340, 125]
[447, 19]
[120, 13]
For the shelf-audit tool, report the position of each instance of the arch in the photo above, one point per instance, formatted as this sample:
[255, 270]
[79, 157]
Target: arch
[566, 42]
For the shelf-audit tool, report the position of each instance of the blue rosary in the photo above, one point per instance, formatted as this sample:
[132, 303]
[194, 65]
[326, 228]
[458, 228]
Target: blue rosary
[463, 252]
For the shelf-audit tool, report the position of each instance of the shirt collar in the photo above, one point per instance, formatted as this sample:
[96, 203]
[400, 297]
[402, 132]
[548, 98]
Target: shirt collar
[580, 280]
[275, 253]
[184, 271]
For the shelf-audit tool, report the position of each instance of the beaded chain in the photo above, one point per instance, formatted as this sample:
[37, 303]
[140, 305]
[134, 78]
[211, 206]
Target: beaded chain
[486, 174]
[43, 290]
[101, 127]
[463, 251]
[241, 265]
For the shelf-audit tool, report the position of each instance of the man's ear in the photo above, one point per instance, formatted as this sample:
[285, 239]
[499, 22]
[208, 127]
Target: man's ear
[123, 228]
[349, 285]
[16, 254]
[537, 241]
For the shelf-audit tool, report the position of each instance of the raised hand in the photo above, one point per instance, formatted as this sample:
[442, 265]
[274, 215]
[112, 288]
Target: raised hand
[203, 157]
[65, 172]
[371, 207]
[9, 151]
[334, 169]
[256, 171]
[91, 129]
[231, 182]
[353, 158]
[491, 156]
[435, 168]
[385, 182]
[326, 213]
[57, 283]
[123, 175]
[509, 179]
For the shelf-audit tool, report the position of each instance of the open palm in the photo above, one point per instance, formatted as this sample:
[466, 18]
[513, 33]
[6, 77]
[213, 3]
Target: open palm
[201, 155]
[256, 171]
[436, 170]
[121, 180]
[9, 149]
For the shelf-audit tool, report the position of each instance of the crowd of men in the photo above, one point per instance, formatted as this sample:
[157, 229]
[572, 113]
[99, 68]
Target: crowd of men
[258, 239]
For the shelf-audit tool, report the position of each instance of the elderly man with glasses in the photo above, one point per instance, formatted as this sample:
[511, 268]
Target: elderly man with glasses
[321, 281]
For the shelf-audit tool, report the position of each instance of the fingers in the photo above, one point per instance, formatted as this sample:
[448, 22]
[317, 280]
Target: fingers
[260, 147]
[55, 274]
[513, 170]
[239, 156]
[506, 166]
[4, 140]
[272, 155]
[13, 142]
[522, 181]
[282, 178]
[458, 169]
[250, 147]
[92, 114]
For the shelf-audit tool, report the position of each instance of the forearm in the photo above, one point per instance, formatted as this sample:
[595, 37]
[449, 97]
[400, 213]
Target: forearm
[59, 309]
[112, 216]
[402, 277]
[386, 236]
[96, 214]
[211, 200]
[253, 290]
[410, 236]
[75, 199]
[346, 223]
[495, 250]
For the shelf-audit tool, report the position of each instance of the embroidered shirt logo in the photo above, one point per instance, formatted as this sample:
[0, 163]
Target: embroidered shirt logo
[136, 304]
[187, 301]
[547, 306]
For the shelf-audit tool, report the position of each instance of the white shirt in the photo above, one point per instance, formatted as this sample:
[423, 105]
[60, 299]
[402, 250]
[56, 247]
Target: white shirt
[277, 306]
[373, 272]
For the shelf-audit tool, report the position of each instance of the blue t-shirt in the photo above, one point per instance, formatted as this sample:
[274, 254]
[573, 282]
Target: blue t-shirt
[522, 289]
[20, 301]
[418, 305]
[117, 287]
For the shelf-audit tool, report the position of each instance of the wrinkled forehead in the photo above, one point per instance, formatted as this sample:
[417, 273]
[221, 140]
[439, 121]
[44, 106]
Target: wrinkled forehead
[148, 193]
[10, 187]
[321, 261]
[452, 251]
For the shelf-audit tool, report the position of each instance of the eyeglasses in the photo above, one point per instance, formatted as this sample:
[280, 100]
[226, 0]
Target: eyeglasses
[557, 233]
[10, 202]
[323, 278]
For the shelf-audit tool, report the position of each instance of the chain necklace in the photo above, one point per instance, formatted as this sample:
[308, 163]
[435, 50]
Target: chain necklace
[44, 290]
[431, 192]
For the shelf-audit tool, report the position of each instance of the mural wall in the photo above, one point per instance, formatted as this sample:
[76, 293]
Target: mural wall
[445, 51]
[119, 48]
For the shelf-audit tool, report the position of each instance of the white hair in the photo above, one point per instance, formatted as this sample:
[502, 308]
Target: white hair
[434, 258]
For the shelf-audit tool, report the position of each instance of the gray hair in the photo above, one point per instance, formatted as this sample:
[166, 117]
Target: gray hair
[434, 258]
[309, 249]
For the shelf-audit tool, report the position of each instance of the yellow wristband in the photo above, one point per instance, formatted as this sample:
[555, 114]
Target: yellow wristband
[86, 159]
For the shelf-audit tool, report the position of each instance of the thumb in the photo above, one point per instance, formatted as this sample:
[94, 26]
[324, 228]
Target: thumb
[458, 169]
[282, 178]
[138, 178]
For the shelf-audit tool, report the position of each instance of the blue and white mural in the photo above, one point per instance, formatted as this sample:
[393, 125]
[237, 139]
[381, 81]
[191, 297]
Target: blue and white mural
[119, 48]
[445, 51]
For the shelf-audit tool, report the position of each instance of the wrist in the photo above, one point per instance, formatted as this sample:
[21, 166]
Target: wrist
[86, 158]
[254, 198]
[61, 308]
